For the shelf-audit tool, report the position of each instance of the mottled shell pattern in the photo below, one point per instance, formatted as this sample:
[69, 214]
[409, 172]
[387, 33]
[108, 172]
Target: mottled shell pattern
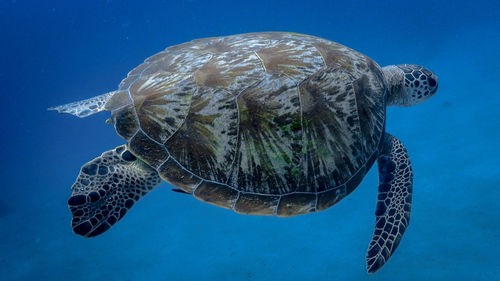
[262, 123]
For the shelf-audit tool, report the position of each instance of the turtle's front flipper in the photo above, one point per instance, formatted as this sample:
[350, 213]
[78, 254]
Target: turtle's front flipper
[393, 202]
[106, 189]
[86, 107]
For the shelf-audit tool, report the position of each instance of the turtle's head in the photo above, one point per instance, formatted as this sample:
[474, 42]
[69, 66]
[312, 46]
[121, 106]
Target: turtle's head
[409, 84]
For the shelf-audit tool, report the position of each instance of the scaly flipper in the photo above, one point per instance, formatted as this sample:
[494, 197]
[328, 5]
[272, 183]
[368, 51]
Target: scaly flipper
[86, 107]
[106, 189]
[393, 203]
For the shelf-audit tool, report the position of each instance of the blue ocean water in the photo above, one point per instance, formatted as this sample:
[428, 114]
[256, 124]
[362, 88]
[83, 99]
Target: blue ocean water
[54, 52]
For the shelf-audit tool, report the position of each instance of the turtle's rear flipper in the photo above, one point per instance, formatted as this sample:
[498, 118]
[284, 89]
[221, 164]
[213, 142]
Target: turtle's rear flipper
[106, 189]
[393, 203]
[86, 107]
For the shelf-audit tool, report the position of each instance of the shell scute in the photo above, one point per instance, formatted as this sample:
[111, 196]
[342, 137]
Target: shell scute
[120, 99]
[233, 71]
[331, 197]
[216, 194]
[295, 58]
[177, 62]
[148, 150]
[125, 121]
[206, 142]
[178, 176]
[270, 137]
[332, 145]
[255, 204]
[296, 204]
[370, 103]
[162, 102]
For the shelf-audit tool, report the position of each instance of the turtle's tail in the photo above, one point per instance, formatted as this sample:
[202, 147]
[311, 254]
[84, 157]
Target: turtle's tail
[86, 107]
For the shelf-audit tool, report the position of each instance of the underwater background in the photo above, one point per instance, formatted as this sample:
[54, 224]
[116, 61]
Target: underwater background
[55, 52]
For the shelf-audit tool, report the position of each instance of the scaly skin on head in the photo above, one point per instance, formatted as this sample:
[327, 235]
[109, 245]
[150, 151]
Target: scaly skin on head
[409, 84]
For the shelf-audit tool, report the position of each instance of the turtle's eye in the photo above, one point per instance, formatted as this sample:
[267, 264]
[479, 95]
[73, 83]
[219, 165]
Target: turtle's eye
[432, 82]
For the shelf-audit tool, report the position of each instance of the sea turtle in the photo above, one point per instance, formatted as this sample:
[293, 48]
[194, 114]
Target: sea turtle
[270, 123]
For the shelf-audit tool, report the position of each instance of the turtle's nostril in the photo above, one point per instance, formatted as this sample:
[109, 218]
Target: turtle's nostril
[432, 82]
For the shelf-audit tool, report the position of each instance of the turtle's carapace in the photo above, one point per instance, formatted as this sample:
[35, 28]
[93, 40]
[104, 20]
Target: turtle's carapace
[270, 123]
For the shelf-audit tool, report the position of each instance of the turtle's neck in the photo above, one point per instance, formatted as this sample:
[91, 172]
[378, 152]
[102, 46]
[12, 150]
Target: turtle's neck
[395, 83]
